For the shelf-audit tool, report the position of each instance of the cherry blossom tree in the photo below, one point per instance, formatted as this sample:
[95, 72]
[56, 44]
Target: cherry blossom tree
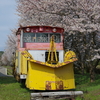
[7, 57]
[86, 46]
[70, 14]
[80, 19]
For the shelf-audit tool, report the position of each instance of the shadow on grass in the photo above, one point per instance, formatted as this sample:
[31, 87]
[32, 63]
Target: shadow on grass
[85, 79]
[81, 79]
[83, 83]
[7, 79]
[96, 82]
[22, 85]
[4, 80]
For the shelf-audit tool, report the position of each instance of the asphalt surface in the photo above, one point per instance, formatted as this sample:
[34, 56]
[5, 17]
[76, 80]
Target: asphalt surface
[2, 74]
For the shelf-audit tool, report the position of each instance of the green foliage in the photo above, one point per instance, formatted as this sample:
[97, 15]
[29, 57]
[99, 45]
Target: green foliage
[1, 52]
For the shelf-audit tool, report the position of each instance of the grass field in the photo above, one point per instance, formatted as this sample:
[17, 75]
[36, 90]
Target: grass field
[91, 90]
[12, 90]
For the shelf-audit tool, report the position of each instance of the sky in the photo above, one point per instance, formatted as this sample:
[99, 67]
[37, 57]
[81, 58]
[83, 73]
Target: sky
[8, 20]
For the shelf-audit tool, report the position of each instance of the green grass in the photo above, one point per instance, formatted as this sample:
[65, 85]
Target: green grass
[12, 90]
[91, 90]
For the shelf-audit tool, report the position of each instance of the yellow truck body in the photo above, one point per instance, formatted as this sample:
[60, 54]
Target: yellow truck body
[44, 76]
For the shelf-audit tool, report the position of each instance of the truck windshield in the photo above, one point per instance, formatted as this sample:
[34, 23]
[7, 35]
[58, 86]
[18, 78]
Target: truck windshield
[41, 37]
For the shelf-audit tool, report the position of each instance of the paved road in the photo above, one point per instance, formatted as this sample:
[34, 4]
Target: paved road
[2, 74]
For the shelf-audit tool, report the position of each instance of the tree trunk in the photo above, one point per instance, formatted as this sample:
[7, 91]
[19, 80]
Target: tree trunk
[92, 69]
[92, 74]
[82, 69]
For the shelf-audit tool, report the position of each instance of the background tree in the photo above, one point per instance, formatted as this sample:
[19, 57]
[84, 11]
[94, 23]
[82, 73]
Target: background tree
[7, 56]
[70, 14]
[86, 46]
[79, 19]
